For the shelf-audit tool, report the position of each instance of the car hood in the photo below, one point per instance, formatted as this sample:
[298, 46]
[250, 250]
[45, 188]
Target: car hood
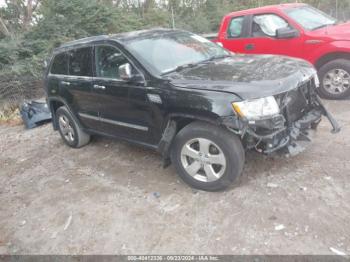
[337, 32]
[248, 76]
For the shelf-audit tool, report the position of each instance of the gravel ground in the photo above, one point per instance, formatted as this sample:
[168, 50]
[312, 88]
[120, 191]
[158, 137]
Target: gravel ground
[113, 198]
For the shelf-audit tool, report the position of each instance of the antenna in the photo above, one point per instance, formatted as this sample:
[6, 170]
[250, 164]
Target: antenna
[172, 17]
[336, 9]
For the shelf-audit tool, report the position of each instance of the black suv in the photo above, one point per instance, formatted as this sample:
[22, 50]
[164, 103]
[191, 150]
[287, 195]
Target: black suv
[196, 103]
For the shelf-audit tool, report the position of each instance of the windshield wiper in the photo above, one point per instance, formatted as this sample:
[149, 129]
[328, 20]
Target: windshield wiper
[219, 57]
[324, 25]
[215, 57]
[190, 65]
[179, 68]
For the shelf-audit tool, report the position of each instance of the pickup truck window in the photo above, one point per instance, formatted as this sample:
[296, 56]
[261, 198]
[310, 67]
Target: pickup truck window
[236, 27]
[267, 24]
[310, 18]
[108, 60]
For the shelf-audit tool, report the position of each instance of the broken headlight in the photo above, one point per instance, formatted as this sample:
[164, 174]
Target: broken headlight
[257, 108]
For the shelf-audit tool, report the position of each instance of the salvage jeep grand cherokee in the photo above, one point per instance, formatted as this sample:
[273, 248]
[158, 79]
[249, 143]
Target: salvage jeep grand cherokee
[200, 106]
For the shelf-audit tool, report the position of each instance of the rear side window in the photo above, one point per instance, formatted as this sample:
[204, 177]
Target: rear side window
[60, 64]
[80, 63]
[235, 28]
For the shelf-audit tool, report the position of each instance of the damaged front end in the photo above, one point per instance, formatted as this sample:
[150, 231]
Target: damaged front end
[300, 112]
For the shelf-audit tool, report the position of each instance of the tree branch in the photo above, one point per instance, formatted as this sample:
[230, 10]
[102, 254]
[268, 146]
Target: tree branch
[4, 28]
[35, 5]
[28, 13]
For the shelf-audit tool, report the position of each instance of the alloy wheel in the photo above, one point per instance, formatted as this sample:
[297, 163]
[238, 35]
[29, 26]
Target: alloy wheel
[203, 160]
[66, 128]
[336, 81]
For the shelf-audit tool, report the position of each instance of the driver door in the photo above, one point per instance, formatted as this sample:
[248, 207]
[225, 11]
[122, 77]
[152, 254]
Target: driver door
[118, 117]
[263, 40]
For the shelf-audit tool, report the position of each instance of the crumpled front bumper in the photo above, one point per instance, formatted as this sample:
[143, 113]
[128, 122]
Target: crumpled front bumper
[292, 139]
[272, 135]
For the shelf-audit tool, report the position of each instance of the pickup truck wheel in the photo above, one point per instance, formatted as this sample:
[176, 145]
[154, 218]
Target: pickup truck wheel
[70, 131]
[207, 157]
[335, 79]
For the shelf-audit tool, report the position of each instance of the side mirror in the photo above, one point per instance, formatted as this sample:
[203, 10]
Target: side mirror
[285, 33]
[125, 72]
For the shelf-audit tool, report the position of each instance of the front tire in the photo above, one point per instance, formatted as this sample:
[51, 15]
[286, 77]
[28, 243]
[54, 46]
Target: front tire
[70, 131]
[335, 79]
[207, 157]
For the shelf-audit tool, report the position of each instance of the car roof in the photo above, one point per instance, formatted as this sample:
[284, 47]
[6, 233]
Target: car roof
[121, 37]
[263, 9]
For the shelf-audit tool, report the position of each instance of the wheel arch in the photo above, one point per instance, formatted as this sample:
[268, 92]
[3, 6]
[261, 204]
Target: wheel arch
[174, 124]
[54, 104]
[331, 56]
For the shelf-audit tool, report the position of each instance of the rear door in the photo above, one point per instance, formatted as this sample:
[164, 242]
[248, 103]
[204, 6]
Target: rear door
[123, 105]
[236, 35]
[58, 72]
[77, 86]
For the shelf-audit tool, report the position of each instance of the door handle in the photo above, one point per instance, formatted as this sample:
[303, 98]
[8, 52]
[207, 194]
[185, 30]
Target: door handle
[99, 87]
[249, 47]
[65, 83]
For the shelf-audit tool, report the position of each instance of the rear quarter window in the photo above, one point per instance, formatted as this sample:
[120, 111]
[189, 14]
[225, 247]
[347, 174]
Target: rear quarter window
[60, 64]
[80, 62]
[235, 28]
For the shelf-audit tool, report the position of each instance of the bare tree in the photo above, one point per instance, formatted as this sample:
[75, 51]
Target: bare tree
[4, 28]
[25, 11]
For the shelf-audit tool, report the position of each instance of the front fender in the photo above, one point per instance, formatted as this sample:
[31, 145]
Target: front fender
[341, 45]
[330, 48]
[200, 103]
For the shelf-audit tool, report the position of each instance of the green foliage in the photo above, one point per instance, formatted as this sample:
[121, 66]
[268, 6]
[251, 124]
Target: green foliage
[24, 48]
[155, 18]
[29, 30]
[71, 19]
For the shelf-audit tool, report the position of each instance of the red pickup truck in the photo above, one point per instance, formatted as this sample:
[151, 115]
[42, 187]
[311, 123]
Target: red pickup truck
[296, 30]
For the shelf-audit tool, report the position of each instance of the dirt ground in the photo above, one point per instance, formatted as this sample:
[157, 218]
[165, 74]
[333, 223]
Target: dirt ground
[113, 198]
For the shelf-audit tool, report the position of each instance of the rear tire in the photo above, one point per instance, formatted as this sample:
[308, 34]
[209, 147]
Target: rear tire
[335, 79]
[70, 131]
[207, 157]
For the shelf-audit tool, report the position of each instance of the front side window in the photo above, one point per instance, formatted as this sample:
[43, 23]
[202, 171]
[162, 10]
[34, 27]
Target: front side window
[235, 28]
[267, 25]
[60, 65]
[80, 63]
[167, 52]
[108, 60]
[310, 18]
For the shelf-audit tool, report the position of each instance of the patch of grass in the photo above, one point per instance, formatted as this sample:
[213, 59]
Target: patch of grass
[10, 116]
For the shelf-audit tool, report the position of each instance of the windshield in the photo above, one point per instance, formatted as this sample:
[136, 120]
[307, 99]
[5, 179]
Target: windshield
[310, 18]
[169, 52]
